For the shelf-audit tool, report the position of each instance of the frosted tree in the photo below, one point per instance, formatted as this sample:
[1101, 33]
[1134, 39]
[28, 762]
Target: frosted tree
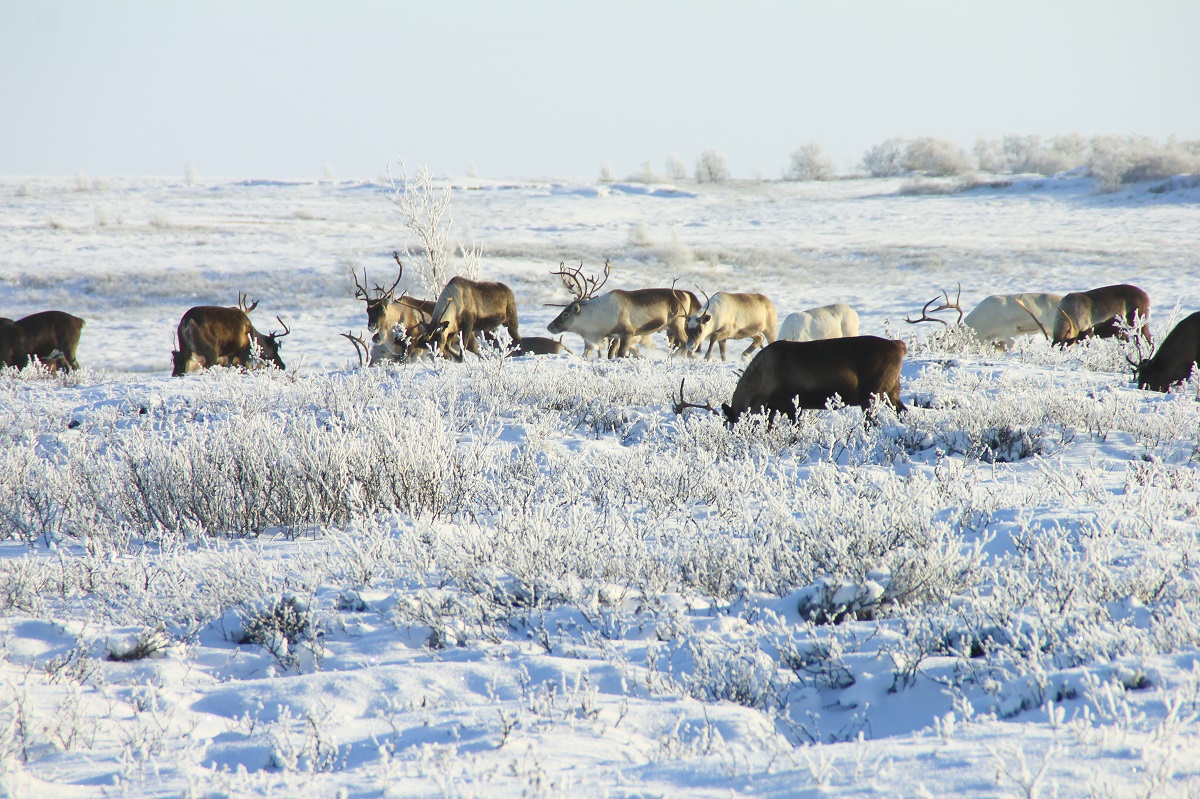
[428, 217]
[711, 167]
[809, 163]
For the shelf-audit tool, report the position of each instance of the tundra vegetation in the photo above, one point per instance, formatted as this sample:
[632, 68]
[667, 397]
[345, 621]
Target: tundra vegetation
[531, 577]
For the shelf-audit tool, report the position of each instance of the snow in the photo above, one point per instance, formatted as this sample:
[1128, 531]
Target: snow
[531, 577]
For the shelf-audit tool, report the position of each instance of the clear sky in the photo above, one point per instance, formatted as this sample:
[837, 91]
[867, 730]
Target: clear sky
[291, 89]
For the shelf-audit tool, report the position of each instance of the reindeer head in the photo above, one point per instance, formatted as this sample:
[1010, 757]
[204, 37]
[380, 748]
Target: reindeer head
[269, 345]
[698, 325]
[377, 304]
[582, 288]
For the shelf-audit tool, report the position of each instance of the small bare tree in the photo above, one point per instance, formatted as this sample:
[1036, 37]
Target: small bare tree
[428, 217]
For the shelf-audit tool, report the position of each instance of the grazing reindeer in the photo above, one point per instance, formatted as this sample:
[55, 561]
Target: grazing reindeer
[827, 321]
[1000, 318]
[52, 337]
[539, 345]
[13, 349]
[392, 320]
[464, 308]
[790, 375]
[213, 335]
[1174, 360]
[1083, 314]
[729, 315]
[621, 317]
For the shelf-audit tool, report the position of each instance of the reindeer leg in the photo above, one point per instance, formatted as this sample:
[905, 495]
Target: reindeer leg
[724, 344]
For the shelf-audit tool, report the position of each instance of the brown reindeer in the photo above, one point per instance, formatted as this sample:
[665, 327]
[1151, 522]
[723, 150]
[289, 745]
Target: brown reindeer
[1174, 360]
[214, 335]
[466, 307]
[790, 375]
[539, 345]
[1095, 313]
[621, 317]
[392, 320]
[52, 337]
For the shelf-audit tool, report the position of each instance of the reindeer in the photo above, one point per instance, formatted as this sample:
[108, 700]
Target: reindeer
[13, 349]
[729, 315]
[827, 321]
[1084, 314]
[52, 337]
[622, 317]
[790, 375]
[213, 335]
[1000, 318]
[539, 345]
[1175, 359]
[464, 308]
[391, 319]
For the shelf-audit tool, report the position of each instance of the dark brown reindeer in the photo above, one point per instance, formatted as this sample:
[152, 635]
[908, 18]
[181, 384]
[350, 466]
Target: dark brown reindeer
[1101, 313]
[214, 335]
[1173, 361]
[790, 375]
[392, 320]
[622, 317]
[467, 307]
[50, 336]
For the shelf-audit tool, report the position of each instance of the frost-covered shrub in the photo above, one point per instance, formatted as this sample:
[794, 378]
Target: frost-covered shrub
[808, 162]
[936, 157]
[888, 159]
[1117, 160]
[675, 168]
[928, 155]
[711, 167]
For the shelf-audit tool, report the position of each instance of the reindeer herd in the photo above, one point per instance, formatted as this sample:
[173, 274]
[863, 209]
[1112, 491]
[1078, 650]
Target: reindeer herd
[813, 356]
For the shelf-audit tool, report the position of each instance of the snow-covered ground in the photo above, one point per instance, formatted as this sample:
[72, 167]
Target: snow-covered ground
[531, 577]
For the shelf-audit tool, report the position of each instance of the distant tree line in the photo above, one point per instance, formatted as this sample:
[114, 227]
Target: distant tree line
[1111, 160]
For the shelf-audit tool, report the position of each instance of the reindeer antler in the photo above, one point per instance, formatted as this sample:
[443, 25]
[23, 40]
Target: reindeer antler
[1033, 316]
[360, 291]
[380, 291]
[360, 345]
[583, 288]
[242, 303]
[286, 329]
[682, 404]
[945, 306]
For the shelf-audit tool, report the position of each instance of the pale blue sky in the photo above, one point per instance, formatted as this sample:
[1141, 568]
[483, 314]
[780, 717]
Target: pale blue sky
[281, 89]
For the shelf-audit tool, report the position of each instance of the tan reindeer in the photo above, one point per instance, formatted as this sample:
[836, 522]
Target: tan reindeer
[392, 320]
[623, 318]
[730, 315]
[214, 335]
[467, 307]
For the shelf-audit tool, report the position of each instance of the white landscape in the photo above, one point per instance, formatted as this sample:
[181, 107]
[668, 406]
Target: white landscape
[531, 577]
